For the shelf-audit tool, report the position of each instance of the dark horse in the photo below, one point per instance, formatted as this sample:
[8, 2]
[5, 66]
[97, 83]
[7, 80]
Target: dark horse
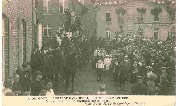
[71, 66]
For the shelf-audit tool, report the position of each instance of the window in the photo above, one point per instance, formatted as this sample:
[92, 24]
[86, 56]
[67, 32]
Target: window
[121, 18]
[47, 31]
[121, 29]
[108, 34]
[156, 17]
[156, 33]
[61, 6]
[61, 29]
[140, 16]
[24, 39]
[140, 31]
[46, 5]
[172, 32]
[108, 17]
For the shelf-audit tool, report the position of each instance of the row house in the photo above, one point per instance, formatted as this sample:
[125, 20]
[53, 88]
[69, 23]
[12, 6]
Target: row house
[148, 18]
[51, 17]
[17, 34]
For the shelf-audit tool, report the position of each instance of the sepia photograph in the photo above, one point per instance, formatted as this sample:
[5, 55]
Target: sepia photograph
[88, 47]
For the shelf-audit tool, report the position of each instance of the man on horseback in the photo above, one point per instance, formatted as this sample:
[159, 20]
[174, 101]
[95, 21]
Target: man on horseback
[71, 63]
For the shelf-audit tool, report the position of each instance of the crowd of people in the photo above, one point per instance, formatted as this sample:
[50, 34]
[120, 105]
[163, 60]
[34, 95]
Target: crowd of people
[49, 68]
[148, 64]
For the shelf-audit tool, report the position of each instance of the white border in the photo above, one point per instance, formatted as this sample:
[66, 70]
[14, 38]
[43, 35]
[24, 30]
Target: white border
[177, 52]
[1, 52]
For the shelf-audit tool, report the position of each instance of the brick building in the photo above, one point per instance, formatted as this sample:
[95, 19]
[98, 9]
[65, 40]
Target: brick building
[51, 17]
[148, 18]
[17, 36]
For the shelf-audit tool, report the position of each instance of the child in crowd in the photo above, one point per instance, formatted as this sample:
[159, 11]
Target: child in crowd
[102, 90]
[49, 90]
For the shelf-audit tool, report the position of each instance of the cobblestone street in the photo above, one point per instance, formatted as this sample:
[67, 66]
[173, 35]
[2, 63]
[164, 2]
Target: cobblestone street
[86, 83]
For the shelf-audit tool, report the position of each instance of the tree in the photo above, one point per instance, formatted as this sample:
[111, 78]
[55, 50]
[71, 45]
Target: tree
[68, 24]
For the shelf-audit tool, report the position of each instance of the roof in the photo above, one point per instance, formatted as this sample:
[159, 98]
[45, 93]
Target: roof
[93, 1]
[109, 2]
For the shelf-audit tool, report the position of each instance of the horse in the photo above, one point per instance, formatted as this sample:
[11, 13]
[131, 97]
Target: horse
[70, 69]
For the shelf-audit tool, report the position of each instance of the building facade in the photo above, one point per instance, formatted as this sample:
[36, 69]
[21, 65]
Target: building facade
[17, 36]
[148, 18]
[51, 17]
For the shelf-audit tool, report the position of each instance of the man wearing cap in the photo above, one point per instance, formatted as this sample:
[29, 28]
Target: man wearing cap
[139, 88]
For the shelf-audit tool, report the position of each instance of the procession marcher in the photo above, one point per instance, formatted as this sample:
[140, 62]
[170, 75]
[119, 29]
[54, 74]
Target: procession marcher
[139, 88]
[100, 68]
[107, 62]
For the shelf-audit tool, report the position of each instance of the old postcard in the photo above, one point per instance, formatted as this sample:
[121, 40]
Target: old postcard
[89, 52]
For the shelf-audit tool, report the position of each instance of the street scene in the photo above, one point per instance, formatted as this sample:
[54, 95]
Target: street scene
[88, 47]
